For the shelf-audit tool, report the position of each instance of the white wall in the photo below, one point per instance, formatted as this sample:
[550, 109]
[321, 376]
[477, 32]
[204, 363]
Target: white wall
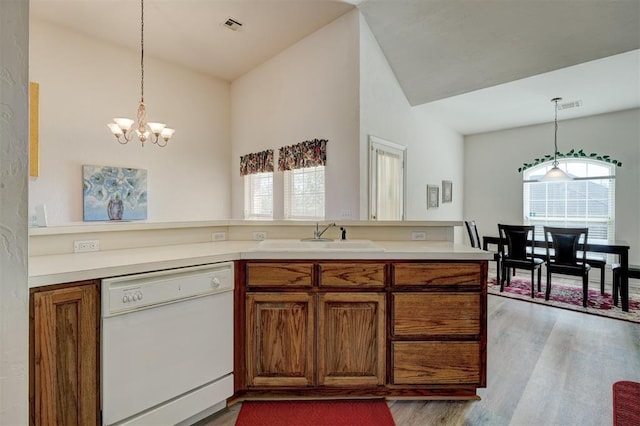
[86, 82]
[493, 186]
[434, 152]
[308, 91]
[14, 313]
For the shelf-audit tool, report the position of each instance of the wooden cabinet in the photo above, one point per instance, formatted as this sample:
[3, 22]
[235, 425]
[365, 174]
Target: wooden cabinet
[351, 339]
[280, 339]
[308, 326]
[64, 355]
[361, 328]
[439, 324]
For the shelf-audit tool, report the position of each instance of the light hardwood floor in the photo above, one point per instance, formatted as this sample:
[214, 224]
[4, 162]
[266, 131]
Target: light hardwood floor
[545, 366]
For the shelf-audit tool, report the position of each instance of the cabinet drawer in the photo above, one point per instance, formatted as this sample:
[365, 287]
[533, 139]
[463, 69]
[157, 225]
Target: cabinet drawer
[351, 274]
[279, 274]
[436, 363]
[430, 314]
[436, 274]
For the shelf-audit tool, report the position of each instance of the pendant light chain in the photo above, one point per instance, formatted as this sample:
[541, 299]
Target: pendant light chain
[142, 109]
[142, 51]
[555, 137]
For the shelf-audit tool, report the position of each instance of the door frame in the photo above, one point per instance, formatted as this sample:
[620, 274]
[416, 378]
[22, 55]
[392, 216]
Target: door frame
[376, 143]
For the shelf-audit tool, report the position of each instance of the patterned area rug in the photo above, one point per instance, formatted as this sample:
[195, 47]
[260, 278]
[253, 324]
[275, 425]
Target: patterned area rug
[568, 297]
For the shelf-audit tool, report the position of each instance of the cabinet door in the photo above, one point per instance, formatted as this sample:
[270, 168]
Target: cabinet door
[280, 336]
[66, 347]
[351, 339]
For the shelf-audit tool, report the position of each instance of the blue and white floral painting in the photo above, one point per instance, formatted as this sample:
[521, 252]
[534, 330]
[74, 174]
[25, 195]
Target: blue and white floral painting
[114, 193]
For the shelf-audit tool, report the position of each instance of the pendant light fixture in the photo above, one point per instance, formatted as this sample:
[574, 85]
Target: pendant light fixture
[123, 127]
[555, 174]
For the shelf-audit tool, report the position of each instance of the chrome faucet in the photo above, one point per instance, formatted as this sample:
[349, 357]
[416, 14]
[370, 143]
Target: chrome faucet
[317, 234]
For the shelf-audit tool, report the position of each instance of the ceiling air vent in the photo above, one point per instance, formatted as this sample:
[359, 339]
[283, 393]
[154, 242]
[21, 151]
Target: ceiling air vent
[572, 104]
[232, 24]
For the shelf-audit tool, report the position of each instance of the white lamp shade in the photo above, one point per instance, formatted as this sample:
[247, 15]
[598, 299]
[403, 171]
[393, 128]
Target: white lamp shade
[124, 123]
[555, 175]
[156, 128]
[167, 133]
[115, 129]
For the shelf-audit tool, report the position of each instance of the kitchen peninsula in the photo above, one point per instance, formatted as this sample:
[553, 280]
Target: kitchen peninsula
[393, 317]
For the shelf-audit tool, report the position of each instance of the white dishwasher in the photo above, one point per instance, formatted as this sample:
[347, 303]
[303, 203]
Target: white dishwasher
[167, 345]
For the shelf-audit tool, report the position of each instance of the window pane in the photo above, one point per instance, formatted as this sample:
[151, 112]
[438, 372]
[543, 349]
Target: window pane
[304, 193]
[258, 197]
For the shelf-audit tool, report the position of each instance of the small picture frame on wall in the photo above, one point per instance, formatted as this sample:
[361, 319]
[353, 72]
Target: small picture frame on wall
[446, 191]
[433, 196]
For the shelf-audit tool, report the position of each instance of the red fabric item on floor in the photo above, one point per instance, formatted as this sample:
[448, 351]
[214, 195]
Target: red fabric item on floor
[360, 412]
[626, 403]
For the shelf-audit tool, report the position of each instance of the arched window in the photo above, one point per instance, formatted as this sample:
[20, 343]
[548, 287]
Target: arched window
[586, 201]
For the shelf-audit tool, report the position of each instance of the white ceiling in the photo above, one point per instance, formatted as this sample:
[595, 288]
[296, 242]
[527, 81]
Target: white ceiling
[480, 65]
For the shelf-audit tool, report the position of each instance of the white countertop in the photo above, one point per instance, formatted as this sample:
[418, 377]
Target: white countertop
[65, 268]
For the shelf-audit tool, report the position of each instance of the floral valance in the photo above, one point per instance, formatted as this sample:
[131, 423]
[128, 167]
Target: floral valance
[305, 154]
[257, 162]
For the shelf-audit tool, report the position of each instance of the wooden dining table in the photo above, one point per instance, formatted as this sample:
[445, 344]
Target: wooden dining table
[619, 248]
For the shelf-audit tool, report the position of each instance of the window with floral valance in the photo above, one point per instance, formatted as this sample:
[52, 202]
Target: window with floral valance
[257, 162]
[311, 153]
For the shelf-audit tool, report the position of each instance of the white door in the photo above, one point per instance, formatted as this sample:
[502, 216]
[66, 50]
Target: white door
[386, 179]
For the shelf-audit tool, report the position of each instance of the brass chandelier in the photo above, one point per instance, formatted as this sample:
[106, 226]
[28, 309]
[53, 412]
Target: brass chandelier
[123, 129]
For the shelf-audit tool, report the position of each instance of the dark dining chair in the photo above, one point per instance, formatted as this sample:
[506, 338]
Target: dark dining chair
[474, 238]
[633, 272]
[514, 240]
[563, 256]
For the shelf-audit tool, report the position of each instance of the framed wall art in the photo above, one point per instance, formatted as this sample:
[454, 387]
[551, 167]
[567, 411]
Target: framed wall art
[433, 196]
[114, 193]
[446, 191]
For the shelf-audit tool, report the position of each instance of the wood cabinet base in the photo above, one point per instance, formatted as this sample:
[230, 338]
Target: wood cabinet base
[388, 392]
[398, 329]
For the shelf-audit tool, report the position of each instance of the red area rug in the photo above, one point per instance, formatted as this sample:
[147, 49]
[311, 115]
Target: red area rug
[358, 412]
[626, 403]
[568, 297]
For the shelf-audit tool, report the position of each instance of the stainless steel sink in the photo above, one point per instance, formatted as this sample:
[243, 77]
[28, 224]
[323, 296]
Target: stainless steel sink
[317, 245]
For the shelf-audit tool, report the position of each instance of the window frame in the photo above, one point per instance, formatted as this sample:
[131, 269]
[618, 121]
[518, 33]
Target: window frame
[290, 194]
[250, 196]
[572, 166]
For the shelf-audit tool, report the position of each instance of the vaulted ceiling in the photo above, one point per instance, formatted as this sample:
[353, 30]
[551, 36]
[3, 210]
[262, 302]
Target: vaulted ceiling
[480, 65]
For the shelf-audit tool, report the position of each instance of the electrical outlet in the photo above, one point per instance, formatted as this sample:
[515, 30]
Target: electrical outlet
[260, 235]
[86, 245]
[418, 235]
[218, 236]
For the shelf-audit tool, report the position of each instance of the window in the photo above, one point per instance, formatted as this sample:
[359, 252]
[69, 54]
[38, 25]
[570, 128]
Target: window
[587, 201]
[258, 196]
[304, 193]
